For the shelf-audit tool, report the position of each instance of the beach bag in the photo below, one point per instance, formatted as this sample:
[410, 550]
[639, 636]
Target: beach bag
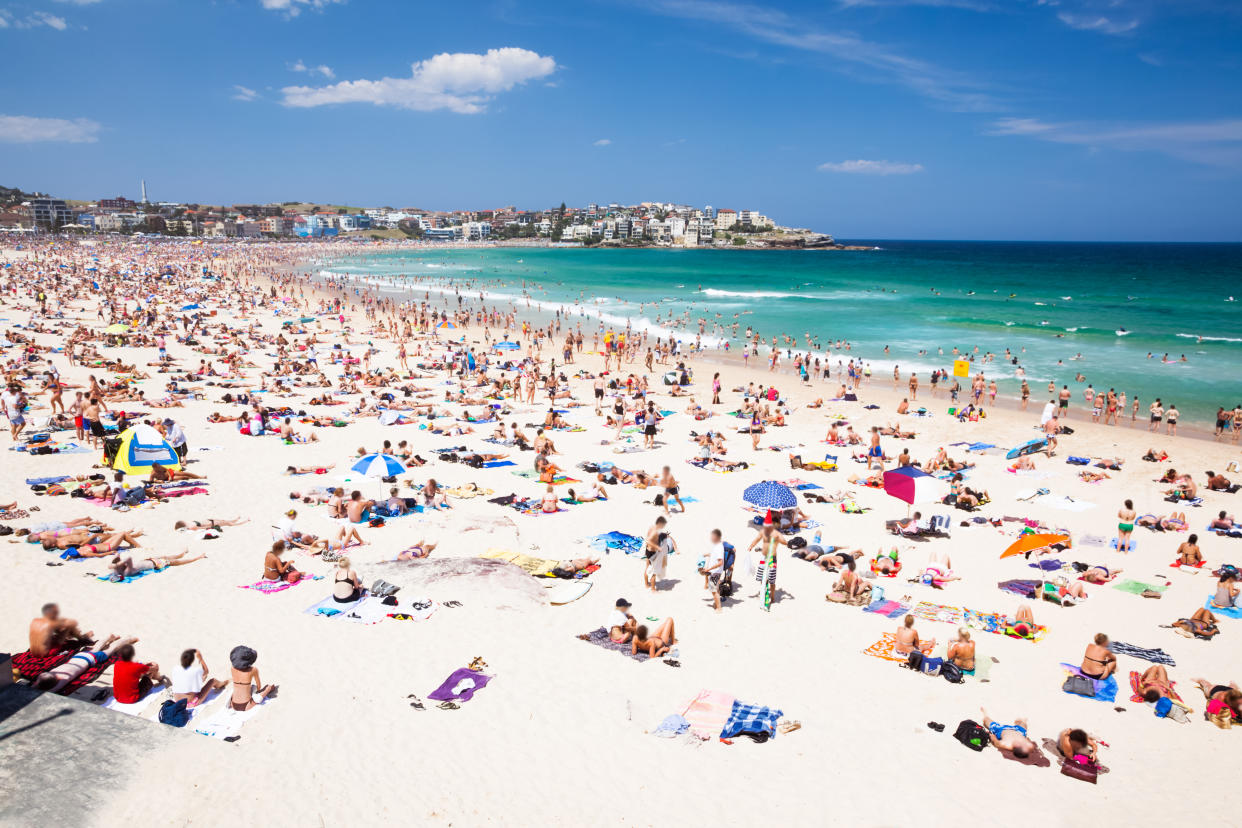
[951, 672]
[1079, 685]
[797, 543]
[915, 660]
[174, 713]
[1082, 768]
[971, 734]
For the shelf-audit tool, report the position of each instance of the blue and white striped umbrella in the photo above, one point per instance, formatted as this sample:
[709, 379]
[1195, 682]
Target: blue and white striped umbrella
[770, 495]
[378, 465]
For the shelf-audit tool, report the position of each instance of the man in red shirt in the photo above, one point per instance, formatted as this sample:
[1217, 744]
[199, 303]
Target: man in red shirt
[132, 680]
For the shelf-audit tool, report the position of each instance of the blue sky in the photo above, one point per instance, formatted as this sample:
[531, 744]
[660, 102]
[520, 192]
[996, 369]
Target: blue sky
[961, 119]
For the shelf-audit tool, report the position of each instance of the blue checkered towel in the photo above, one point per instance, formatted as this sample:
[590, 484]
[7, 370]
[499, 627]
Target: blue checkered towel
[751, 718]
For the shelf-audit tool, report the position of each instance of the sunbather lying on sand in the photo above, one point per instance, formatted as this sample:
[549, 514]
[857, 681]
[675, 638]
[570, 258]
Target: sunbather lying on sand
[655, 644]
[1175, 522]
[56, 678]
[419, 549]
[1012, 738]
[101, 548]
[1100, 574]
[125, 567]
[1201, 623]
[209, 523]
[160, 474]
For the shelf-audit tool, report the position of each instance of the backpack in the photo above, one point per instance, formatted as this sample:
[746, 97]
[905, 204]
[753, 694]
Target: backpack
[971, 734]
[951, 672]
[174, 713]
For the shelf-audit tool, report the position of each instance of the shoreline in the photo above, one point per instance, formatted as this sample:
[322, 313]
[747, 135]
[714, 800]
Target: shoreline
[1192, 428]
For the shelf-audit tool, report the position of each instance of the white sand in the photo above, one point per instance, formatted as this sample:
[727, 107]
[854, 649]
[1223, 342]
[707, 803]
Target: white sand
[561, 735]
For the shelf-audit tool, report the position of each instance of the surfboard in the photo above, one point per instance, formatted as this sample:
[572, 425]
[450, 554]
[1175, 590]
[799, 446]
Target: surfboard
[1029, 447]
[569, 591]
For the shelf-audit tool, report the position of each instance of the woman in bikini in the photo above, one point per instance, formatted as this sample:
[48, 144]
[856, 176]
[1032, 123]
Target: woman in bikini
[654, 645]
[962, 651]
[1125, 528]
[1100, 574]
[346, 587]
[421, 549]
[245, 678]
[1098, 662]
[159, 474]
[276, 568]
[127, 567]
[211, 523]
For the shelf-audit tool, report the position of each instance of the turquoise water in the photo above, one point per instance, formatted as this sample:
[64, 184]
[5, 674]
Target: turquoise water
[1046, 303]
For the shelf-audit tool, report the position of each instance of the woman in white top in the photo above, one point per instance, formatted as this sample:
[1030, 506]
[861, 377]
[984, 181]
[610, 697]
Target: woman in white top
[190, 681]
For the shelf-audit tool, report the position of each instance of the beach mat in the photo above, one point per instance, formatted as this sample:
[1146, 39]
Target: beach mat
[1136, 696]
[1105, 691]
[1228, 612]
[708, 712]
[600, 638]
[886, 649]
[532, 565]
[1137, 587]
[330, 608]
[226, 722]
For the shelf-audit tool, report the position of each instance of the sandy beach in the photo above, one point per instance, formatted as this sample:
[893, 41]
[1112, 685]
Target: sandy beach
[563, 732]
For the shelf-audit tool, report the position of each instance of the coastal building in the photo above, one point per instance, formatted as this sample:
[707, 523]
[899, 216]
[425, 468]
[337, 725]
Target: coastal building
[120, 204]
[725, 219]
[476, 230]
[50, 213]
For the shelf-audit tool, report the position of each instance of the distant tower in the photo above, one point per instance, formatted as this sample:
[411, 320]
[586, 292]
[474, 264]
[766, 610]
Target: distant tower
[144, 191]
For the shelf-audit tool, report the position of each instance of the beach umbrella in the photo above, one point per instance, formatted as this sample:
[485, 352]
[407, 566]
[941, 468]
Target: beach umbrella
[1027, 542]
[911, 485]
[446, 324]
[378, 465]
[770, 495]
[117, 328]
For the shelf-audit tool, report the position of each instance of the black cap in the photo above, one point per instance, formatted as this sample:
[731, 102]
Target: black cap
[621, 602]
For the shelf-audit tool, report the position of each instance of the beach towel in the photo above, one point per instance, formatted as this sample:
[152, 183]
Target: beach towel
[1137, 587]
[751, 718]
[134, 708]
[1156, 655]
[1023, 588]
[889, 609]
[1136, 677]
[1133, 544]
[938, 612]
[629, 544]
[1105, 691]
[30, 666]
[531, 564]
[1191, 568]
[329, 607]
[1094, 540]
[1048, 565]
[600, 638]
[268, 587]
[129, 579]
[46, 481]
[886, 649]
[226, 723]
[708, 712]
[998, 624]
[672, 726]
[461, 685]
[495, 464]
[1228, 612]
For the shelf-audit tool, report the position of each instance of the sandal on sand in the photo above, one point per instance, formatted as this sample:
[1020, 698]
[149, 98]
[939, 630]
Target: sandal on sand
[1150, 593]
[790, 727]
[448, 705]
[936, 726]
[417, 704]
[672, 662]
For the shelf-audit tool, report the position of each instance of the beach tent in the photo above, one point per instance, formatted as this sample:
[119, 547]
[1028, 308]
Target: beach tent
[446, 324]
[142, 447]
[911, 485]
[1028, 542]
[117, 328]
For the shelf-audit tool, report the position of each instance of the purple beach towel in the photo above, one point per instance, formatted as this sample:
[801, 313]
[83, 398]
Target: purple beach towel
[445, 691]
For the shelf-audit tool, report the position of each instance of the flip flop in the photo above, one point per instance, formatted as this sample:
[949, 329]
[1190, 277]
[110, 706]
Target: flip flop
[448, 705]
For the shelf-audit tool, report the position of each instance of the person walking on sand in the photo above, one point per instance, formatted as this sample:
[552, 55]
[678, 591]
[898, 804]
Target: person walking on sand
[1125, 526]
[767, 540]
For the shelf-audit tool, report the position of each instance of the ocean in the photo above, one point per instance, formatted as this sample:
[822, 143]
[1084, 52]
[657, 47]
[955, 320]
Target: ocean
[1122, 315]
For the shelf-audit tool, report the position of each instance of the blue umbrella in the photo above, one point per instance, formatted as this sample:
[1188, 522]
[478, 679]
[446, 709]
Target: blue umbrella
[770, 495]
[378, 465]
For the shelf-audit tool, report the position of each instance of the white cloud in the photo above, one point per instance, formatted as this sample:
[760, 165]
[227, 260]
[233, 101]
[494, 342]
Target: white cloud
[972, 5]
[459, 82]
[602, 142]
[1217, 143]
[292, 8]
[313, 70]
[863, 167]
[22, 129]
[79, 2]
[244, 93]
[1098, 23]
[32, 21]
[951, 89]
